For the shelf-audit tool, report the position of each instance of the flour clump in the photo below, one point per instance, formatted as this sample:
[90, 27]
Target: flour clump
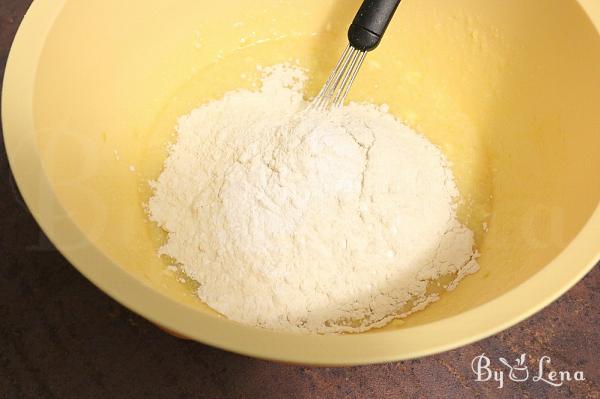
[308, 221]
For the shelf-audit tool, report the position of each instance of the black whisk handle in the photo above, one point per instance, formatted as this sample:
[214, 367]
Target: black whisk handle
[370, 23]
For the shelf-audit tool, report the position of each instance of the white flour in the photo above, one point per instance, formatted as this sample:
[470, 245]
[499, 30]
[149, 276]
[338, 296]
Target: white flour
[320, 223]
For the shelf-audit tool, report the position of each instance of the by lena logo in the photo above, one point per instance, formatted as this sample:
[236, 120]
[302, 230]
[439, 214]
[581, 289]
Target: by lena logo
[519, 371]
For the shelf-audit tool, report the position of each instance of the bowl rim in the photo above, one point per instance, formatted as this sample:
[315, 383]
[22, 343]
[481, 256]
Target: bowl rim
[576, 259]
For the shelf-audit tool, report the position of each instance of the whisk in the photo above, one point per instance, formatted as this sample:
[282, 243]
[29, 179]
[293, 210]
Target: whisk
[364, 35]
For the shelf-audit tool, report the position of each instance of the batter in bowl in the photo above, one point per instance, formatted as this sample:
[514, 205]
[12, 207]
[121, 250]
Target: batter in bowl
[308, 221]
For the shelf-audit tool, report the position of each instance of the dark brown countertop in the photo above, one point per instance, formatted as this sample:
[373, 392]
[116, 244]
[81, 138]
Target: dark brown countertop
[60, 337]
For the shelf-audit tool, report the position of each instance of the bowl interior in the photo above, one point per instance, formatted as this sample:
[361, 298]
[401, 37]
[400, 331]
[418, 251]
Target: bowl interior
[508, 89]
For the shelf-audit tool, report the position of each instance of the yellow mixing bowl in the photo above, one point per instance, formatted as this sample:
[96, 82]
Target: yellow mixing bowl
[509, 89]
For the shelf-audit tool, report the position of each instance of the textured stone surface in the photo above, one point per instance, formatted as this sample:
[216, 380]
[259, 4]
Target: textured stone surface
[60, 337]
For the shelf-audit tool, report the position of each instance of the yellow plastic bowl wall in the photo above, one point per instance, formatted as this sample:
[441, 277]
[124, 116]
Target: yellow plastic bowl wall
[509, 89]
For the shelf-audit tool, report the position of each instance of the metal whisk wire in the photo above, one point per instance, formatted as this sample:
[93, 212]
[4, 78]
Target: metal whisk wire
[339, 82]
[364, 35]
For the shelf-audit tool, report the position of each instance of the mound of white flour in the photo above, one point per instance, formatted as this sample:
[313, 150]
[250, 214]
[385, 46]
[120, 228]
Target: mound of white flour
[313, 222]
